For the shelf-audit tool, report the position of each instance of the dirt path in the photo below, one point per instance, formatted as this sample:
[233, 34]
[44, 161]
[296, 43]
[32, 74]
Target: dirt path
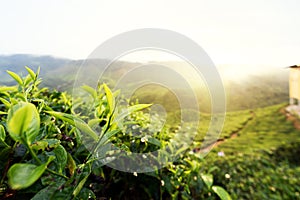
[291, 118]
[222, 140]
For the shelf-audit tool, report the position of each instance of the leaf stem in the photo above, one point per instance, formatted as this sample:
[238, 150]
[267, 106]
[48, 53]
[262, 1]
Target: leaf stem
[40, 162]
[55, 173]
[32, 152]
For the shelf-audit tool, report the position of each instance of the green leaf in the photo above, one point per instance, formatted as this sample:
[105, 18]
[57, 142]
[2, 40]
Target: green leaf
[90, 90]
[167, 183]
[107, 136]
[208, 179]
[81, 125]
[94, 122]
[15, 76]
[52, 143]
[5, 102]
[8, 88]
[81, 178]
[154, 141]
[76, 122]
[80, 185]
[61, 158]
[63, 116]
[20, 96]
[181, 150]
[130, 110]
[50, 191]
[71, 164]
[21, 176]
[40, 145]
[14, 101]
[2, 133]
[110, 98]
[26, 82]
[2, 137]
[221, 192]
[23, 122]
[32, 74]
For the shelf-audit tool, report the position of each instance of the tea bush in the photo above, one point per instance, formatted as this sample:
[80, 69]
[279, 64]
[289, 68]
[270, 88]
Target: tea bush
[258, 176]
[263, 161]
[55, 147]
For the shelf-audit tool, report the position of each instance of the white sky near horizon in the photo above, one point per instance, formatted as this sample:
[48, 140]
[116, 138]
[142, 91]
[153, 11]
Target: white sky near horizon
[252, 33]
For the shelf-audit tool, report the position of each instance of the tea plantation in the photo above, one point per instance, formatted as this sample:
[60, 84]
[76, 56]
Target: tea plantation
[53, 146]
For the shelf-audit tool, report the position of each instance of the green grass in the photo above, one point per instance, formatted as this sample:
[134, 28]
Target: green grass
[234, 122]
[267, 130]
[262, 162]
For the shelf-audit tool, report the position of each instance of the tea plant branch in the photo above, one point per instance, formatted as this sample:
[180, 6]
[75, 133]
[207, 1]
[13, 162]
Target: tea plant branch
[40, 162]
[96, 146]
[101, 142]
[108, 123]
[32, 153]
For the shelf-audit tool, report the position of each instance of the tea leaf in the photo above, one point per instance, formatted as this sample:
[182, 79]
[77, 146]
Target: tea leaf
[76, 122]
[32, 74]
[154, 141]
[26, 82]
[130, 110]
[2, 137]
[2, 133]
[50, 191]
[52, 143]
[39, 145]
[61, 158]
[221, 193]
[80, 185]
[90, 90]
[110, 98]
[63, 116]
[94, 122]
[207, 179]
[82, 178]
[107, 136]
[23, 122]
[7, 88]
[5, 102]
[21, 176]
[71, 164]
[15, 76]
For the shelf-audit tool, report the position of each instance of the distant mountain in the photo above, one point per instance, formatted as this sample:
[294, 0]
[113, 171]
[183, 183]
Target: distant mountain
[255, 90]
[55, 72]
[17, 62]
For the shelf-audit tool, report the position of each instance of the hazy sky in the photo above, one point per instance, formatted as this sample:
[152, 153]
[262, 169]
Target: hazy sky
[253, 32]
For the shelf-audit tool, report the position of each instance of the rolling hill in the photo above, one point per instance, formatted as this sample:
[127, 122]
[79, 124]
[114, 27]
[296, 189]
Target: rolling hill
[252, 91]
